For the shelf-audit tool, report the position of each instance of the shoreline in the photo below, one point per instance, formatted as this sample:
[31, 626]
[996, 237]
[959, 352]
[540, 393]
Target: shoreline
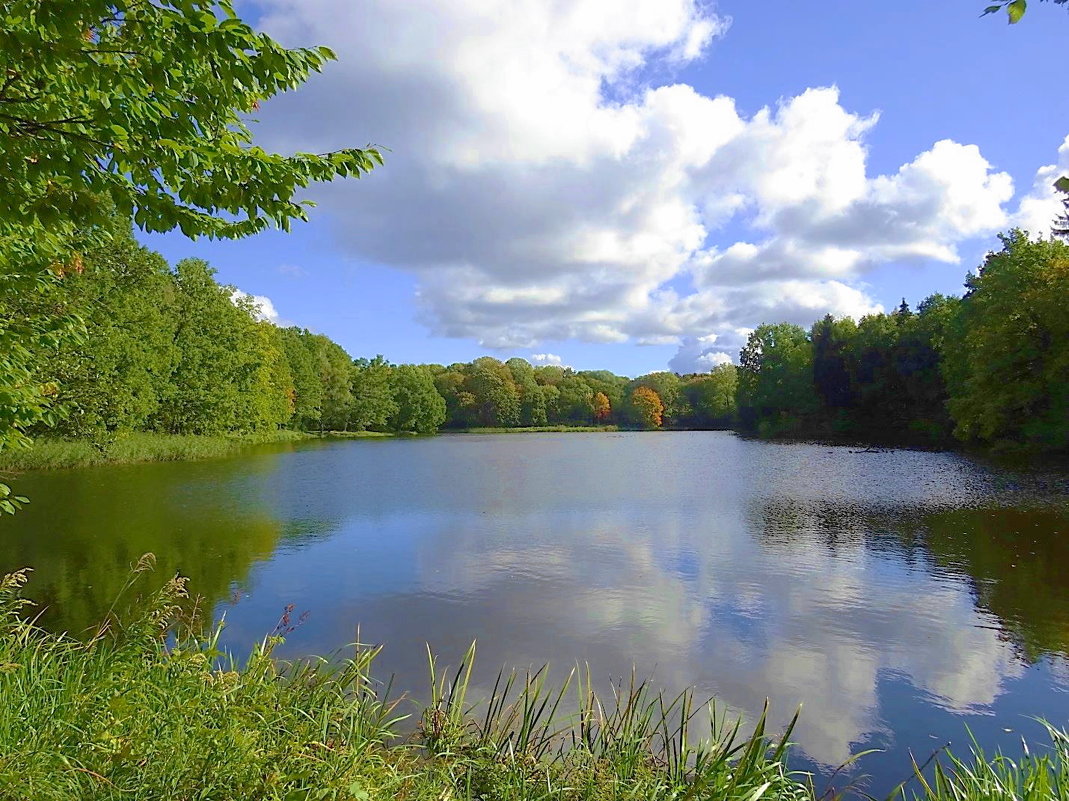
[555, 429]
[147, 447]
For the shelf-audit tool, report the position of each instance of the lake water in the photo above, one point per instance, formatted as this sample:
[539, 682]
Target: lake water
[899, 595]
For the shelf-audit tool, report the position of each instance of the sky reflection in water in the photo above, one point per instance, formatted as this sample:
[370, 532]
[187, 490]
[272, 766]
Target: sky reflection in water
[894, 594]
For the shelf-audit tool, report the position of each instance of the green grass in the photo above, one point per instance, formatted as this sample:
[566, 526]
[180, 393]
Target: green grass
[145, 708]
[52, 454]
[1036, 776]
[539, 429]
[128, 713]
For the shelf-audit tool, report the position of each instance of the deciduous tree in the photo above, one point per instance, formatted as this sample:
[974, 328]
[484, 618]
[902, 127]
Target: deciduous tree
[711, 397]
[1007, 355]
[111, 378]
[1014, 9]
[574, 402]
[333, 367]
[373, 403]
[497, 400]
[648, 407]
[602, 408]
[775, 390]
[307, 390]
[419, 406]
[669, 389]
[532, 403]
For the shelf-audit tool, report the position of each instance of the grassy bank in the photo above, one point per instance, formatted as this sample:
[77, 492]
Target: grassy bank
[50, 454]
[124, 714]
[537, 430]
[53, 454]
[121, 714]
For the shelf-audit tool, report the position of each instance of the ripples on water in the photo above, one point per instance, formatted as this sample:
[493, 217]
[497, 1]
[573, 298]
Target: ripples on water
[896, 594]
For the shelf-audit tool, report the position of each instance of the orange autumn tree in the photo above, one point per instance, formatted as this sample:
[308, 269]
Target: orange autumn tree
[602, 408]
[648, 407]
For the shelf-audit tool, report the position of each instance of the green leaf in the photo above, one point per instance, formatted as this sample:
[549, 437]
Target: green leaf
[1062, 184]
[1016, 10]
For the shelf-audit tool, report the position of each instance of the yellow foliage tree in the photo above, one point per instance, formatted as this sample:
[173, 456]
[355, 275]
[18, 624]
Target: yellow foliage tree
[602, 407]
[648, 407]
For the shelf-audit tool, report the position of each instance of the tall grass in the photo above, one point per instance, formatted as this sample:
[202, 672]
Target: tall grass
[51, 454]
[529, 737]
[1035, 776]
[147, 707]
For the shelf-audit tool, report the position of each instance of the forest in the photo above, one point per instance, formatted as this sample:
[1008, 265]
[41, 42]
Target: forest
[170, 350]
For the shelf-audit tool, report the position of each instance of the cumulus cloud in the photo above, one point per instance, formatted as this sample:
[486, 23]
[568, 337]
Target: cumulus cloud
[1043, 203]
[701, 354]
[542, 186]
[264, 309]
[551, 359]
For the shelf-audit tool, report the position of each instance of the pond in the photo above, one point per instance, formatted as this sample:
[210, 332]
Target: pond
[897, 595]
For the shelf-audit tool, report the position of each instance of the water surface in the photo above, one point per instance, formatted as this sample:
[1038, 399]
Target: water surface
[897, 595]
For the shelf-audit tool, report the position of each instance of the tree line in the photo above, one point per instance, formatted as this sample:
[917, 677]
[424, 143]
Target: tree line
[169, 349]
[491, 393]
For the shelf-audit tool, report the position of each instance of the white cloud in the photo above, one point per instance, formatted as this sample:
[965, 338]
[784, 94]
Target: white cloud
[541, 187]
[264, 308]
[546, 359]
[702, 354]
[713, 359]
[1042, 204]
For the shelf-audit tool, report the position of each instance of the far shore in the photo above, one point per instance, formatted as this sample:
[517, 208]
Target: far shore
[141, 447]
[532, 430]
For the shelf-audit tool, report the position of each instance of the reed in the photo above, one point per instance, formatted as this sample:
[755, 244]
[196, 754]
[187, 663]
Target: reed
[1034, 776]
[146, 706]
[53, 454]
[637, 745]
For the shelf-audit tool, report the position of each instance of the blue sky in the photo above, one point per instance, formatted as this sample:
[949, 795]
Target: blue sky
[597, 180]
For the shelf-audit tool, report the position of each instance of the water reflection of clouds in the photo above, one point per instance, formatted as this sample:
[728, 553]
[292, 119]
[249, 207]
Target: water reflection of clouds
[743, 629]
[747, 569]
[811, 625]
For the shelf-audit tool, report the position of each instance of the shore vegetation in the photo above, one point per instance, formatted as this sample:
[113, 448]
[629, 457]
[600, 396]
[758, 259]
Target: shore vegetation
[50, 453]
[145, 705]
[541, 429]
